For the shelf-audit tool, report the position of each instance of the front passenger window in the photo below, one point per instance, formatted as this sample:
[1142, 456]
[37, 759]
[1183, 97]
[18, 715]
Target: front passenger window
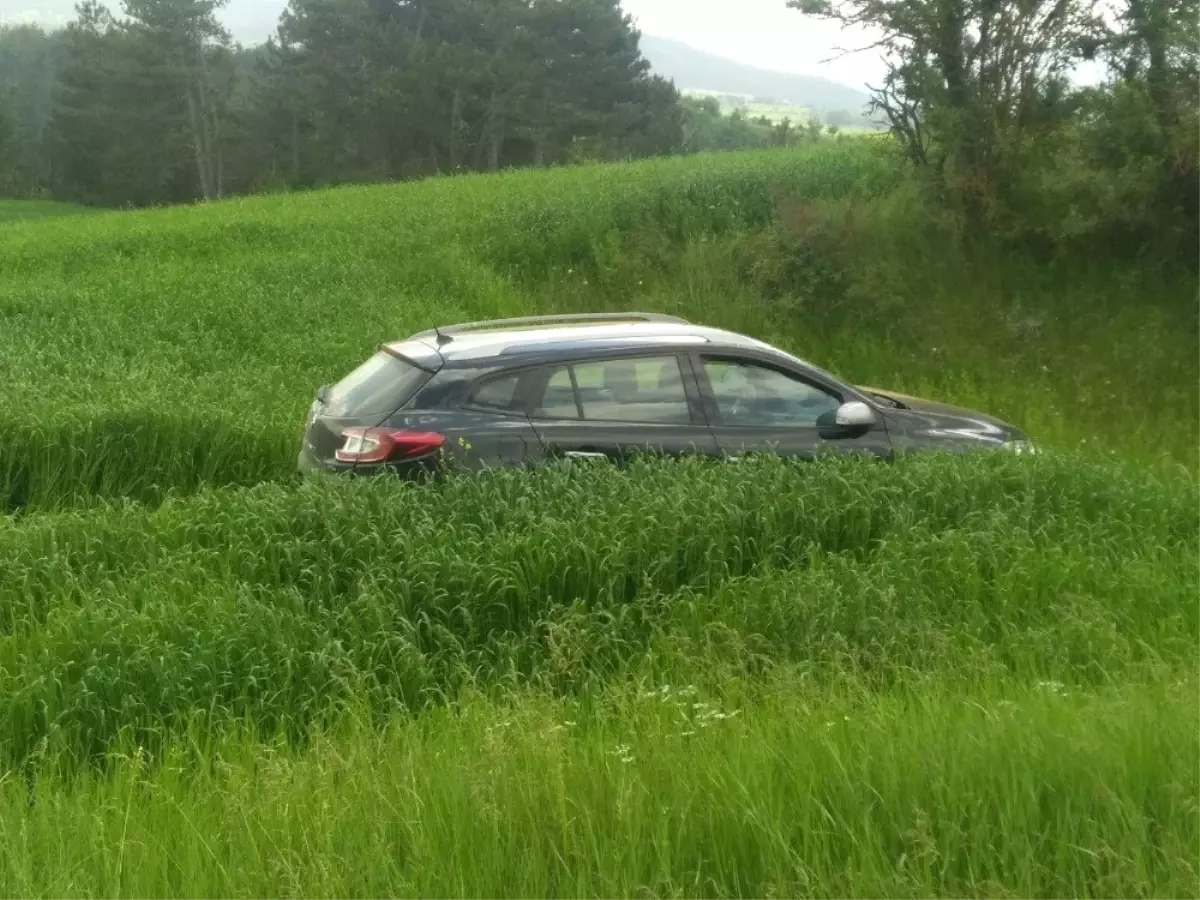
[757, 396]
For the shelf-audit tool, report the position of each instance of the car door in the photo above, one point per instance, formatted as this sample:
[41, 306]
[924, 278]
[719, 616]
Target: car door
[760, 406]
[481, 416]
[616, 406]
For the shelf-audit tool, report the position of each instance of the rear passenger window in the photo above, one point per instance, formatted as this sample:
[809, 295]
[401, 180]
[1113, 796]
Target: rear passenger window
[558, 402]
[496, 393]
[649, 390]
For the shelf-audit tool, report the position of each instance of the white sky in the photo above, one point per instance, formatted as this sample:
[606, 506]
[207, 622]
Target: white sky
[763, 33]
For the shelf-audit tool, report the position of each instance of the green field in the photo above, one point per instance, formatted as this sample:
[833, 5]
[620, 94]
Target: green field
[25, 210]
[934, 678]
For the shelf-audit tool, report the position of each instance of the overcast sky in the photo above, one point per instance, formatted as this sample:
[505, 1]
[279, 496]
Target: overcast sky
[762, 33]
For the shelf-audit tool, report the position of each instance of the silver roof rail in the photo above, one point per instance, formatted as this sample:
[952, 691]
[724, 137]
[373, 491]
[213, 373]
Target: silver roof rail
[445, 332]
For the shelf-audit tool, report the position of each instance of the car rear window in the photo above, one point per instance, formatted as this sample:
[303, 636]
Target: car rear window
[380, 386]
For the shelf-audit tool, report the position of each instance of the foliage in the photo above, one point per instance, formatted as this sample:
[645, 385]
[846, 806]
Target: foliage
[965, 79]
[707, 127]
[279, 605]
[156, 106]
[978, 96]
[765, 787]
[29, 60]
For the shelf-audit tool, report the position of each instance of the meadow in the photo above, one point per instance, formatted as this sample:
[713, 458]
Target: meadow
[939, 677]
[22, 210]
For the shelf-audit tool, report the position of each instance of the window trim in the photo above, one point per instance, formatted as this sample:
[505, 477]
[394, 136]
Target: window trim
[710, 398]
[697, 416]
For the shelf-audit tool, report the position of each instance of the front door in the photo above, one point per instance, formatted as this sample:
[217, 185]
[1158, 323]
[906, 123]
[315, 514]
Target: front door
[758, 407]
[615, 407]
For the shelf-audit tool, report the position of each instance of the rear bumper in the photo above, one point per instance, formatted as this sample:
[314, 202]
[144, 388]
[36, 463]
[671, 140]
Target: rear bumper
[308, 463]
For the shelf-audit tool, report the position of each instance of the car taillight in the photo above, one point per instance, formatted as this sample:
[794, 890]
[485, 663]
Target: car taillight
[372, 445]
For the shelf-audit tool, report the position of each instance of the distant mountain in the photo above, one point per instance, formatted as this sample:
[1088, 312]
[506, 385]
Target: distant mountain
[693, 69]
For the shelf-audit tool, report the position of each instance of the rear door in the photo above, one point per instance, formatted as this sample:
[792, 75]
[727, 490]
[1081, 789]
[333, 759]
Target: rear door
[364, 397]
[763, 406]
[611, 408]
[482, 417]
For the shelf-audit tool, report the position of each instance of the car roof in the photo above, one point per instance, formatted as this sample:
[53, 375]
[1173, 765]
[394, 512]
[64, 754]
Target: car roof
[549, 337]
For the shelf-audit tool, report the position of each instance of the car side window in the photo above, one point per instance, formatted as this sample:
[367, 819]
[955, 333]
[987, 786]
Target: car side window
[751, 395]
[644, 389]
[558, 400]
[499, 394]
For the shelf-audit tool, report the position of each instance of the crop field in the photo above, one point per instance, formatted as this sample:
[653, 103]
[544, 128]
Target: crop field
[23, 210]
[938, 677]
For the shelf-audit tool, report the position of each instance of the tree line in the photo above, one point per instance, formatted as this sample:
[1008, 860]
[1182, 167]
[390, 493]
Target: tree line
[155, 104]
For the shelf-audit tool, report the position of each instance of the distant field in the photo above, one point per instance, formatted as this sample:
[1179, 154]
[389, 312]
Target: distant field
[25, 210]
[775, 112]
[933, 678]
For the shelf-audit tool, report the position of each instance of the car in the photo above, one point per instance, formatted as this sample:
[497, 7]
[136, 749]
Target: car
[528, 391]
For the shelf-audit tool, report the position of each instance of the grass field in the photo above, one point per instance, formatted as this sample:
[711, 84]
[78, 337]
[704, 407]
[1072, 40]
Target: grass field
[934, 678]
[25, 210]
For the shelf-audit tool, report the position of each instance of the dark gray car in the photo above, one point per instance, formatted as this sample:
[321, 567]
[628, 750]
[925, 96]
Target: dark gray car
[514, 392]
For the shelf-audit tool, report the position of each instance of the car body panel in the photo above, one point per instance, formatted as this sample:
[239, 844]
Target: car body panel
[477, 440]
[931, 424]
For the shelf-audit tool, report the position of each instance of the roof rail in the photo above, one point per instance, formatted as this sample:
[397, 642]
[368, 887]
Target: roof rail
[444, 332]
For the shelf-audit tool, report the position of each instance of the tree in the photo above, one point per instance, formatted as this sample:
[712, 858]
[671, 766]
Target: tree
[185, 52]
[29, 60]
[157, 106]
[967, 78]
[1130, 169]
[81, 133]
[8, 151]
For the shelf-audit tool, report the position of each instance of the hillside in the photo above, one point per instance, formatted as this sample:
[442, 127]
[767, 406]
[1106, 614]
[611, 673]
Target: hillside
[21, 210]
[693, 69]
[770, 679]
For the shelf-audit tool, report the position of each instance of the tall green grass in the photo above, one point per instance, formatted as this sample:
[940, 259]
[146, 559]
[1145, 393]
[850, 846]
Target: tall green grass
[281, 605]
[969, 676]
[778, 788]
[147, 352]
[29, 210]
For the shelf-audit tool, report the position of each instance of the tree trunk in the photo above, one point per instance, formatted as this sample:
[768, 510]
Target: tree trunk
[1151, 28]
[295, 147]
[543, 127]
[495, 131]
[197, 145]
[455, 128]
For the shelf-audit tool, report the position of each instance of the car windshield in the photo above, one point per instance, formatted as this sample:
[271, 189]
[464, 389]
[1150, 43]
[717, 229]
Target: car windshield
[380, 386]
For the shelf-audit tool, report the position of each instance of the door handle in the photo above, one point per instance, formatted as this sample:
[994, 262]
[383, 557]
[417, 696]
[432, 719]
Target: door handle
[584, 454]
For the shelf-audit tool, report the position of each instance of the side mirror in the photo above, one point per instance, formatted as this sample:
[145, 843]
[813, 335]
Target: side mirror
[854, 414]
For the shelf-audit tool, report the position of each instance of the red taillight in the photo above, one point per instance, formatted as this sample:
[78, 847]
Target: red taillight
[373, 445]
